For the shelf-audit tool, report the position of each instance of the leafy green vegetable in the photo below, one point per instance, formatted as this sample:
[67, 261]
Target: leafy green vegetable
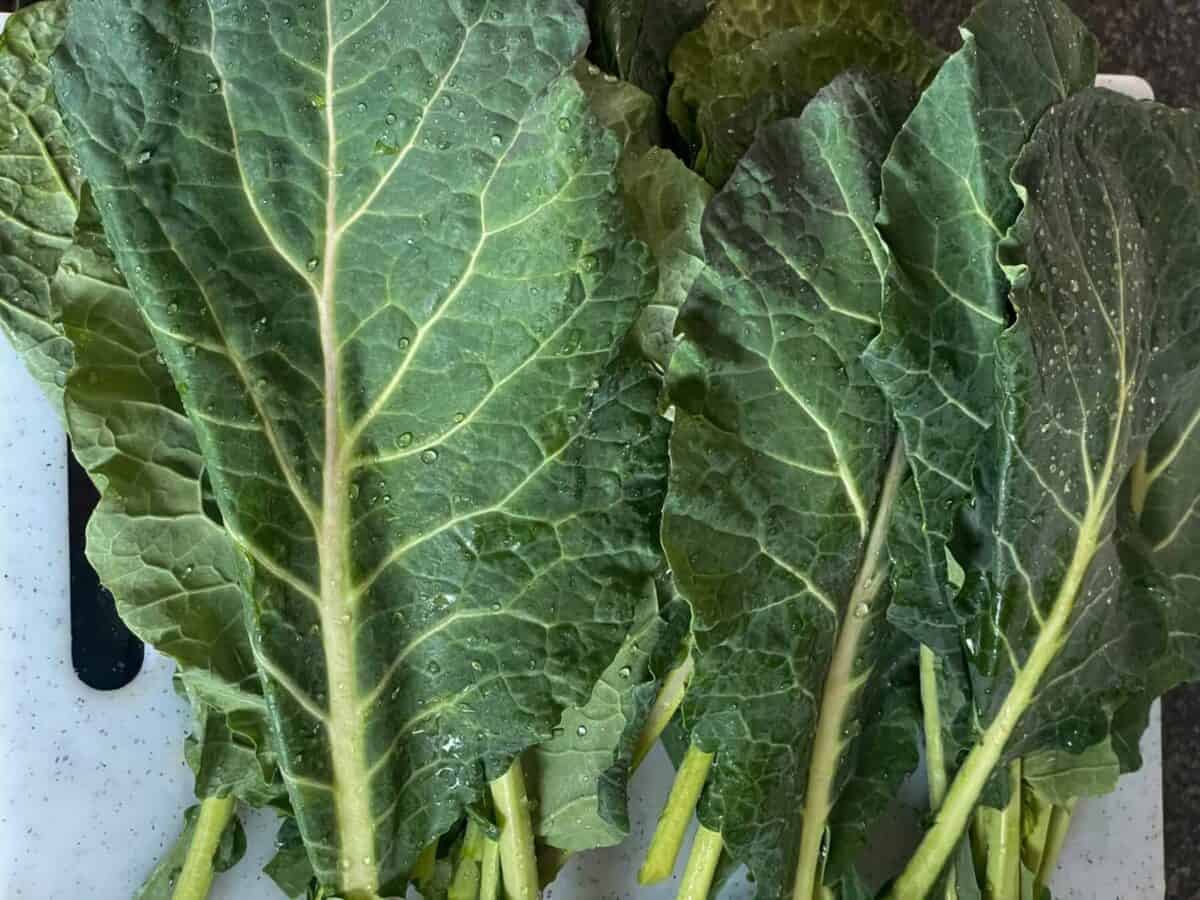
[750, 64]
[1058, 637]
[152, 539]
[1159, 531]
[169, 567]
[947, 203]
[784, 472]
[392, 322]
[40, 190]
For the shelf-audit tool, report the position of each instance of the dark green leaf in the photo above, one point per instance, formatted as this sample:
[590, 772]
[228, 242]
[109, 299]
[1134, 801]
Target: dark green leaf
[383, 252]
[1061, 625]
[947, 202]
[784, 465]
[39, 195]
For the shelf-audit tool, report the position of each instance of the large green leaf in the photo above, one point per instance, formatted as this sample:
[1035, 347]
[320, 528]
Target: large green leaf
[154, 539]
[168, 567]
[38, 194]
[1160, 527]
[633, 39]
[947, 203]
[383, 252]
[1059, 626]
[752, 63]
[785, 467]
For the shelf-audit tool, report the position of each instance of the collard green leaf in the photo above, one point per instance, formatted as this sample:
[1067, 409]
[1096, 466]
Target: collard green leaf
[633, 39]
[784, 469]
[750, 64]
[67, 310]
[38, 194]
[1061, 631]
[383, 252]
[152, 539]
[947, 203]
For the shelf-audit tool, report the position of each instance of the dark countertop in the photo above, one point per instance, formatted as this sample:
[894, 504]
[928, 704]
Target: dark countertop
[1160, 41]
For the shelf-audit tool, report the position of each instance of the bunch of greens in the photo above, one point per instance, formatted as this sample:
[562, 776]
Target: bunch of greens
[469, 412]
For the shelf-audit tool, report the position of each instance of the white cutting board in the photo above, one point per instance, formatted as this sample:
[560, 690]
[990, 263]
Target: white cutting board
[92, 784]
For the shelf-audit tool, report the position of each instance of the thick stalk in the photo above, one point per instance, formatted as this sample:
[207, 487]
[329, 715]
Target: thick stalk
[518, 862]
[701, 865]
[842, 685]
[489, 876]
[674, 686]
[918, 878]
[196, 876]
[935, 754]
[1003, 874]
[1056, 836]
[676, 816]
[464, 885]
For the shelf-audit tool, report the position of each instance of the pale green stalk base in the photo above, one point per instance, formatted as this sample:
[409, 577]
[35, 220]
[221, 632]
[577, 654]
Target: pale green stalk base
[518, 862]
[422, 869]
[669, 697]
[489, 877]
[701, 865]
[927, 863]
[196, 876]
[676, 816]
[1056, 836]
[465, 883]
[842, 686]
[1003, 875]
[935, 754]
[1035, 824]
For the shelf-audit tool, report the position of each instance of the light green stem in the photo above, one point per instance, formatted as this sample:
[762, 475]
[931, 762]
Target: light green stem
[669, 697]
[196, 876]
[935, 754]
[1003, 877]
[422, 869]
[465, 883]
[917, 880]
[701, 865]
[676, 816]
[1056, 836]
[843, 682]
[518, 862]
[489, 877]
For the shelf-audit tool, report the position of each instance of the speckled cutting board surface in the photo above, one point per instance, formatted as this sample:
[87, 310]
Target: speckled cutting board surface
[92, 785]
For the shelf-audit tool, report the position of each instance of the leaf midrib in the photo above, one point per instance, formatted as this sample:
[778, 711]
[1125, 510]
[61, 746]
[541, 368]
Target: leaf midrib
[842, 686]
